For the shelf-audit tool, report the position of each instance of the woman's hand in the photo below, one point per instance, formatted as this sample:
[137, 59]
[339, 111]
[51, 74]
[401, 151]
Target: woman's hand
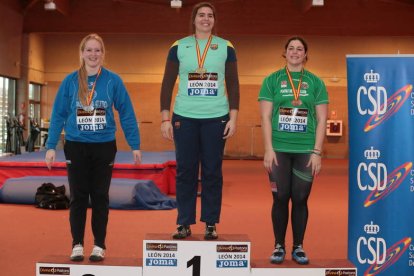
[50, 158]
[136, 154]
[315, 161]
[269, 159]
[167, 130]
[230, 129]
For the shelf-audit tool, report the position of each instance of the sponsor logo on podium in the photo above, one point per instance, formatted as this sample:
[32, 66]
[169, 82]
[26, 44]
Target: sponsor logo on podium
[54, 270]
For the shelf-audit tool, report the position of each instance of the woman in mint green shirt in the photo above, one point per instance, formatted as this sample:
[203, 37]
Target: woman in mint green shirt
[204, 116]
[293, 105]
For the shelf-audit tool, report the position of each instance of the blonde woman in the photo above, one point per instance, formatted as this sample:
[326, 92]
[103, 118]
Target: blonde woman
[84, 107]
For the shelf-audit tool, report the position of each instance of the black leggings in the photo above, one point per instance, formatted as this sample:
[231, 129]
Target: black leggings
[291, 179]
[89, 167]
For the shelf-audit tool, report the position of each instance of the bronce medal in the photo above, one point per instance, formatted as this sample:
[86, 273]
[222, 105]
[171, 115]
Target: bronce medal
[296, 91]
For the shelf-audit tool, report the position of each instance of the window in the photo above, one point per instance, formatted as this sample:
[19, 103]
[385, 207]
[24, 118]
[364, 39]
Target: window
[34, 111]
[34, 101]
[7, 109]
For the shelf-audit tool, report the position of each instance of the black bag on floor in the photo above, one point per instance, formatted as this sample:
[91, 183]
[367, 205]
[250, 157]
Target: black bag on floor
[48, 196]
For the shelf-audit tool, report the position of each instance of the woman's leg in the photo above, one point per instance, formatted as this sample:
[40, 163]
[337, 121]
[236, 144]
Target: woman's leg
[186, 138]
[280, 180]
[102, 157]
[301, 187]
[77, 166]
[212, 149]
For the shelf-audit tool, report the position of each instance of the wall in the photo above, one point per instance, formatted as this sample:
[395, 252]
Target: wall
[140, 60]
[21, 55]
[11, 21]
[36, 58]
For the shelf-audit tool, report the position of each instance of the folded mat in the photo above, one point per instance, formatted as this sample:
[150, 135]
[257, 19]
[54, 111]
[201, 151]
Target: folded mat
[124, 193]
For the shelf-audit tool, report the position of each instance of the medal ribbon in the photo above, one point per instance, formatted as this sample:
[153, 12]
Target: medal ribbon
[201, 59]
[90, 95]
[296, 91]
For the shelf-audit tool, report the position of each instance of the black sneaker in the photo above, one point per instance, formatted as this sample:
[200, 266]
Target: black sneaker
[210, 233]
[182, 232]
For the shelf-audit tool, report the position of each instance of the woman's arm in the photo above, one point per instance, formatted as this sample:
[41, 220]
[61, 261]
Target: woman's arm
[315, 159]
[266, 111]
[233, 93]
[167, 87]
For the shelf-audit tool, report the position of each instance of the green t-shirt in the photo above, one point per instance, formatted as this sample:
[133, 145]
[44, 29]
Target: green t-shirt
[293, 127]
[202, 97]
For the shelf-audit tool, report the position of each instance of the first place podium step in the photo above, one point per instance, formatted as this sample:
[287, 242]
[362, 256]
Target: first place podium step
[228, 255]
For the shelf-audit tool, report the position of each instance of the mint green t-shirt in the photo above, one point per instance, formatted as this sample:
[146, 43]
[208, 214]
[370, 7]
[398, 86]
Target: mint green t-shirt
[201, 97]
[293, 127]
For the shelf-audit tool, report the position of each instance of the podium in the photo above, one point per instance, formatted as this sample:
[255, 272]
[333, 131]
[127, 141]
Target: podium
[229, 255]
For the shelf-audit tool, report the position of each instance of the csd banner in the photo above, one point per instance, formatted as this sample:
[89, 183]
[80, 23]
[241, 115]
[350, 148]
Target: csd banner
[381, 158]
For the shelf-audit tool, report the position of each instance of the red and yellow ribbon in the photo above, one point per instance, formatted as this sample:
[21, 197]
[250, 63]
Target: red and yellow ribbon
[90, 95]
[201, 59]
[296, 91]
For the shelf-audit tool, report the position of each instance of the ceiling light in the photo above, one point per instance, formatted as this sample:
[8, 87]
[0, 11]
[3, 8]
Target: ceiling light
[317, 3]
[176, 4]
[50, 6]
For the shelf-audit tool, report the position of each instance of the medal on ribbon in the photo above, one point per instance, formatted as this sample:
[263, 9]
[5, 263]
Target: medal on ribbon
[296, 91]
[201, 58]
[89, 105]
[201, 70]
[88, 108]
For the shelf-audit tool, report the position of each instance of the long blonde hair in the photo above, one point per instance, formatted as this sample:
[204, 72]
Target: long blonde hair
[83, 90]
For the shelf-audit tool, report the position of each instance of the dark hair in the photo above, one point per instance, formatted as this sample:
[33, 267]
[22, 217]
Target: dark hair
[194, 14]
[305, 45]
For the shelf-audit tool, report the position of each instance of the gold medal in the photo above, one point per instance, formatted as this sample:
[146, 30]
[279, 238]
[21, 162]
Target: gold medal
[201, 58]
[201, 70]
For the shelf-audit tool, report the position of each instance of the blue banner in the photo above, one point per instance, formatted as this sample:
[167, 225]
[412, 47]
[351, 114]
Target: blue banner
[381, 158]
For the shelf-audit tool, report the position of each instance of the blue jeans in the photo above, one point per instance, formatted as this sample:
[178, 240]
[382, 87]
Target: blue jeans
[199, 141]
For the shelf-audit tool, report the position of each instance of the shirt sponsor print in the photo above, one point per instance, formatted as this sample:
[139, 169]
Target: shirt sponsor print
[293, 119]
[205, 84]
[91, 120]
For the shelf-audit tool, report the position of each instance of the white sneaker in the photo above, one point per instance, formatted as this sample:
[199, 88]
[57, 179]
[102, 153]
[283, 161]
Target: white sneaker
[77, 253]
[97, 255]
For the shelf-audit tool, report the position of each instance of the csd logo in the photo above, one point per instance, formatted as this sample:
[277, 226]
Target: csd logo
[375, 172]
[377, 99]
[377, 248]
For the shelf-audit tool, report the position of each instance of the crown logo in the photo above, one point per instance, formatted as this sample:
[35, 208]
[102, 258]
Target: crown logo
[371, 77]
[371, 228]
[372, 154]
